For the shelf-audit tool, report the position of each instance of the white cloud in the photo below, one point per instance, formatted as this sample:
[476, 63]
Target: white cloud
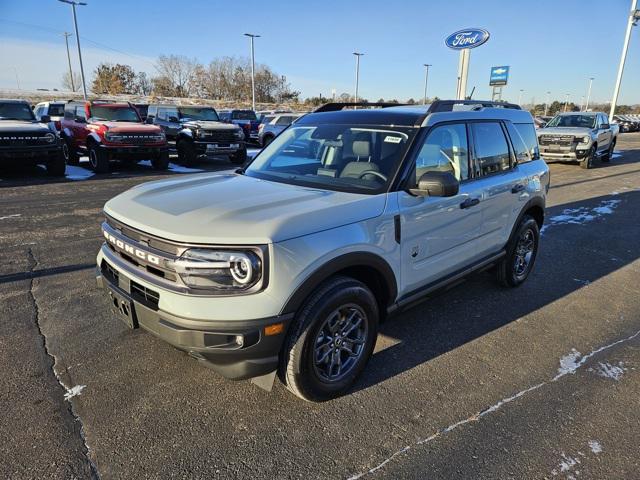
[42, 64]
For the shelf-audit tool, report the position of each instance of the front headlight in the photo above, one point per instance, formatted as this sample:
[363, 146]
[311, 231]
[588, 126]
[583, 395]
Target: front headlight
[113, 137]
[222, 270]
[49, 138]
[586, 139]
[201, 133]
[239, 134]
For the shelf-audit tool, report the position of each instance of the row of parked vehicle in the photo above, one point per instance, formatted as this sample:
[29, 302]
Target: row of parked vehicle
[627, 123]
[59, 133]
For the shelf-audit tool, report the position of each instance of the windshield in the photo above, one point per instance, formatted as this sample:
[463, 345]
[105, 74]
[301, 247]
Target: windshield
[16, 111]
[350, 158]
[205, 114]
[56, 110]
[114, 114]
[580, 121]
[244, 115]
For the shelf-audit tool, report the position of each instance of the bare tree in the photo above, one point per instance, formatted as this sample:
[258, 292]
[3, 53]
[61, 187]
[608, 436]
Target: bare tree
[67, 84]
[178, 71]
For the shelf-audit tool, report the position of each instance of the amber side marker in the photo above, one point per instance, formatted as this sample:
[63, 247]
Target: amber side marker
[274, 329]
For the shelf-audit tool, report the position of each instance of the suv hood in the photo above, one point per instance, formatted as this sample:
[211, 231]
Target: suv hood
[231, 209]
[576, 131]
[19, 126]
[209, 125]
[118, 127]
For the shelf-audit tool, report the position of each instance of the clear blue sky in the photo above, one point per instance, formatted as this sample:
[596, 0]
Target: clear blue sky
[550, 44]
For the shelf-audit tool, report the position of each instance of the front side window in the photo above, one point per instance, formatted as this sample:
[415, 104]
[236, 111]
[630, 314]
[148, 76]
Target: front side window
[80, 112]
[16, 111]
[352, 158]
[114, 114]
[194, 113]
[491, 148]
[444, 150]
[55, 110]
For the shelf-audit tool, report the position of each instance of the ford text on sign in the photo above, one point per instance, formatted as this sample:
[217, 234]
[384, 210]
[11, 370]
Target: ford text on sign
[467, 38]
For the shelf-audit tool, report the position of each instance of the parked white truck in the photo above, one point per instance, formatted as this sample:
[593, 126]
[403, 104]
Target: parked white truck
[578, 136]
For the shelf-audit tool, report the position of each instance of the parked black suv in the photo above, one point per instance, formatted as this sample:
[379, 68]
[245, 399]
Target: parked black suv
[197, 131]
[27, 140]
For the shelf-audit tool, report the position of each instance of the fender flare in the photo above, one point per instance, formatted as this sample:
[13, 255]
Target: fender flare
[66, 133]
[337, 264]
[184, 134]
[534, 202]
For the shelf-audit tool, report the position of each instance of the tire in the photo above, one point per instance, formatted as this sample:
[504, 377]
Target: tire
[337, 299]
[69, 153]
[98, 159]
[587, 163]
[607, 157]
[267, 140]
[161, 161]
[57, 166]
[516, 266]
[186, 152]
[239, 157]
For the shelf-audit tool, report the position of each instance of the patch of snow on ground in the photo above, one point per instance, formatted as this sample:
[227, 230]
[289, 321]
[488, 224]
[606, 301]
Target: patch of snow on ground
[567, 462]
[15, 215]
[74, 392]
[77, 173]
[606, 370]
[595, 446]
[582, 215]
[570, 362]
[180, 169]
[616, 154]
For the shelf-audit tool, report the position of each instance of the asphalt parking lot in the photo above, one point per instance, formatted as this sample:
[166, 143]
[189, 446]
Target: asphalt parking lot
[478, 382]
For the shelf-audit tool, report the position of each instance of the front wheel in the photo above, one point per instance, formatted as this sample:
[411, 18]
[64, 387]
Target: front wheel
[98, 159]
[187, 154]
[522, 250]
[69, 153]
[161, 161]
[587, 163]
[239, 157]
[330, 341]
[57, 166]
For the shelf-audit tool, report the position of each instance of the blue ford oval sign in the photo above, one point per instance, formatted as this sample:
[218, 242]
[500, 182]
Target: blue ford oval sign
[467, 38]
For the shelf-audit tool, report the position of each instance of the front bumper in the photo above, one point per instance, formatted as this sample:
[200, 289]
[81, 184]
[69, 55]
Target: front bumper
[566, 153]
[44, 152]
[216, 343]
[134, 152]
[218, 148]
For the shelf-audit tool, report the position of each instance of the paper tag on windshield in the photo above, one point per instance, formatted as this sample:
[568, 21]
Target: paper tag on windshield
[390, 139]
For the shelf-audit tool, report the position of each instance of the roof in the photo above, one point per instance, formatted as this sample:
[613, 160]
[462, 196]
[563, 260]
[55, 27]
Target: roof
[12, 100]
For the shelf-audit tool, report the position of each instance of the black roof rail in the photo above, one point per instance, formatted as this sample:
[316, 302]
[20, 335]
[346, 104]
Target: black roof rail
[336, 106]
[448, 105]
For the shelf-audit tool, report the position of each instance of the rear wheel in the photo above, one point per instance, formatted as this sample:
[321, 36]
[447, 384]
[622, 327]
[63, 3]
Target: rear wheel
[57, 166]
[69, 153]
[330, 341]
[186, 152]
[98, 159]
[607, 157]
[522, 250]
[161, 161]
[587, 163]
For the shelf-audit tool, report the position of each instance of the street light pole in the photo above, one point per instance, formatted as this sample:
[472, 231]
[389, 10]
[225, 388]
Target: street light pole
[73, 4]
[634, 16]
[66, 41]
[586, 106]
[520, 97]
[253, 73]
[358, 55]
[546, 105]
[566, 102]
[426, 79]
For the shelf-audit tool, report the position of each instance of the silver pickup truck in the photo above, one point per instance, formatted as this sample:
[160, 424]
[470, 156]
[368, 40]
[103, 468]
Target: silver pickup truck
[578, 136]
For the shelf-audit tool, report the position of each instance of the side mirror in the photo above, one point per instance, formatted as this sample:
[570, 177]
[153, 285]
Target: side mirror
[605, 126]
[45, 119]
[436, 184]
[149, 120]
[173, 119]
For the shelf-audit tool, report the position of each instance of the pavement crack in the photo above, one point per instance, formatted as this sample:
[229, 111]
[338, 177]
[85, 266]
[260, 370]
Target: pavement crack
[68, 392]
[567, 368]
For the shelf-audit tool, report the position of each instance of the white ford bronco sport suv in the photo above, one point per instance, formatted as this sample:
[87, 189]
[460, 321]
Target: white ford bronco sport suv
[288, 265]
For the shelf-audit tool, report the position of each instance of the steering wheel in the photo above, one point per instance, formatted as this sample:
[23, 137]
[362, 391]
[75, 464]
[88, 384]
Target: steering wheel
[373, 172]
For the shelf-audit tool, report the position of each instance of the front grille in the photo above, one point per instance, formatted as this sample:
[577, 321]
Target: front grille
[220, 137]
[134, 139]
[146, 296]
[23, 140]
[562, 140]
[109, 273]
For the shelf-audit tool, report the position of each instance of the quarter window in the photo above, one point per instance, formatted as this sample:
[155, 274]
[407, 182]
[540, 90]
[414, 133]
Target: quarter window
[491, 148]
[528, 134]
[444, 150]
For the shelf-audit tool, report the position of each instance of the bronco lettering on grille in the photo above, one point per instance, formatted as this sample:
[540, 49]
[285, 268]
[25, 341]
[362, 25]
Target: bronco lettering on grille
[131, 250]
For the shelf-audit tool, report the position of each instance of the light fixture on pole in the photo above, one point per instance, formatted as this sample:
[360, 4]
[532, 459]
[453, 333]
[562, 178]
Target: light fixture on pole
[586, 106]
[358, 55]
[520, 97]
[73, 4]
[253, 70]
[634, 16]
[546, 105]
[426, 79]
[66, 41]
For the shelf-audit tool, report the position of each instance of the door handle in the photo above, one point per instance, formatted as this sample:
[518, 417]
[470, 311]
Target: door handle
[470, 202]
[517, 188]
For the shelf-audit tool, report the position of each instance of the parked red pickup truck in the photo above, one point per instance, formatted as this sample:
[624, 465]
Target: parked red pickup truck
[105, 131]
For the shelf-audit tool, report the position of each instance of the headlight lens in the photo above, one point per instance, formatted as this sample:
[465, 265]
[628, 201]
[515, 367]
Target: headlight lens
[49, 138]
[586, 139]
[201, 133]
[222, 270]
[239, 134]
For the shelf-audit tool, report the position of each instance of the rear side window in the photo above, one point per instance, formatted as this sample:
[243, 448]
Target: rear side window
[527, 133]
[80, 112]
[491, 147]
[284, 120]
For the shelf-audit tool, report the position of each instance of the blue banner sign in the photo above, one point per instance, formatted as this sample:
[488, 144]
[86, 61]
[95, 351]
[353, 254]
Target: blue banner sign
[499, 76]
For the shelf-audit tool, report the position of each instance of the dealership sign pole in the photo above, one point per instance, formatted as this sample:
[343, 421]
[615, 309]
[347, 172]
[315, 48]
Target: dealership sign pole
[465, 40]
